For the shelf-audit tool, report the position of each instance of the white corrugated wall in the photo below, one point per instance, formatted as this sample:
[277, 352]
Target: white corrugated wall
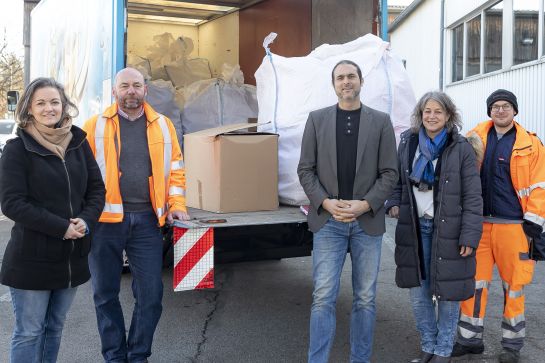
[526, 82]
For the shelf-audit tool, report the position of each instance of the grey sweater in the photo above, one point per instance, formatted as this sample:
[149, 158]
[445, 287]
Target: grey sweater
[135, 165]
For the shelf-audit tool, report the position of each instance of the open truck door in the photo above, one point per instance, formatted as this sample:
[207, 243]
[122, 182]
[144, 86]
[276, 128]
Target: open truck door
[82, 49]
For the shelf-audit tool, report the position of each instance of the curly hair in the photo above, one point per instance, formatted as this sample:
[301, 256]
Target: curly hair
[22, 117]
[454, 118]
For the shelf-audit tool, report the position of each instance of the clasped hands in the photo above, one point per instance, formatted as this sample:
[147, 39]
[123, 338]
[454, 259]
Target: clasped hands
[346, 211]
[76, 229]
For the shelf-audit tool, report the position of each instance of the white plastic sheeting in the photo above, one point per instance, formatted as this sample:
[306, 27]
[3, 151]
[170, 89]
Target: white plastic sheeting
[288, 89]
[218, 101]
[161, 98]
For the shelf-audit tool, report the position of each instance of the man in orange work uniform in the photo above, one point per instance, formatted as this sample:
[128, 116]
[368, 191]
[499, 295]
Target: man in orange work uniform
[142, 167]
[513, 185]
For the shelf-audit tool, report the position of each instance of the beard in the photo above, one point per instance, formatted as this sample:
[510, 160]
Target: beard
[132, 103]
[354, 95]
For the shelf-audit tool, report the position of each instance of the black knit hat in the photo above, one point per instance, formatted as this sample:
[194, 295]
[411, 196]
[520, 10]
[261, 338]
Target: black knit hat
[501, 95]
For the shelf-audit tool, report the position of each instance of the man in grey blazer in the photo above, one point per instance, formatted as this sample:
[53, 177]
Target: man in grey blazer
[348, 167]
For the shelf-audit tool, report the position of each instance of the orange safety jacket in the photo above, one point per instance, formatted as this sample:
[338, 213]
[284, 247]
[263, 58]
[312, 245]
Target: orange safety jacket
[167, 183]
[527, 168]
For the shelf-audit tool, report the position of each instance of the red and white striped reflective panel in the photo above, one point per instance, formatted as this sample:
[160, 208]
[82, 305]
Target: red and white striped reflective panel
[193, 258]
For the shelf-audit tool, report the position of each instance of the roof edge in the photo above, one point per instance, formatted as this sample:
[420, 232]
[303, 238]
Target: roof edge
[404, 15]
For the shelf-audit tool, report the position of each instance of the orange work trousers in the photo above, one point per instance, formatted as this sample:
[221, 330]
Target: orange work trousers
[506, 246]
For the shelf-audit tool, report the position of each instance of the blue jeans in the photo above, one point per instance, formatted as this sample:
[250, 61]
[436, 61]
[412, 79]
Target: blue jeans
[141, 238]
[39, 319]
[331, 243]
[437, 331]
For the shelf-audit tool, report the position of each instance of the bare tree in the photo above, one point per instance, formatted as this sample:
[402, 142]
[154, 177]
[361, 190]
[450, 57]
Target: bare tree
[11, 75]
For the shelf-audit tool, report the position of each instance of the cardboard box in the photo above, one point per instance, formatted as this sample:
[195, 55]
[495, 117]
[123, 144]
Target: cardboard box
[231, 170]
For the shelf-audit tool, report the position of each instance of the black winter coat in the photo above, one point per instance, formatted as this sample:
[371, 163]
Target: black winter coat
[40, 192]
[457, 220]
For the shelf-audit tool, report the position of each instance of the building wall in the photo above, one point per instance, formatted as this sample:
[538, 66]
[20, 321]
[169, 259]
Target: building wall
[527, 83]
[417, 41]
[457, 9]
[218, 42]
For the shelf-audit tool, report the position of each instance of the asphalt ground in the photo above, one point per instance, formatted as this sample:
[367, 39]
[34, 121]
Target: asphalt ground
[259, 312]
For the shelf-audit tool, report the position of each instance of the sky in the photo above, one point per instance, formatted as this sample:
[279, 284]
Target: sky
[11, 25]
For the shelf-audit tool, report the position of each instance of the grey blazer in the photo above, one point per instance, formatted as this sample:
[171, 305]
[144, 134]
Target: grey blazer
[376, 166]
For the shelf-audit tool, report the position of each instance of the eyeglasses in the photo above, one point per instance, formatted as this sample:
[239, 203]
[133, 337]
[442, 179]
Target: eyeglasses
[505, 107]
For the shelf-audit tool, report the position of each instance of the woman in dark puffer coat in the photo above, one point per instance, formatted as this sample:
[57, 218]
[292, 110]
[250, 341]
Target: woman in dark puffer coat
[439, 206]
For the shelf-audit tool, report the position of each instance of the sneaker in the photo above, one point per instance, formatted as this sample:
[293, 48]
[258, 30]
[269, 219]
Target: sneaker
[459, 349]
[509, 356]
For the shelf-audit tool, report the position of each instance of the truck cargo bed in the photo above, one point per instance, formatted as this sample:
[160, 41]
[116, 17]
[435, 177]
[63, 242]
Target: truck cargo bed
[251, 236]
[201, 218]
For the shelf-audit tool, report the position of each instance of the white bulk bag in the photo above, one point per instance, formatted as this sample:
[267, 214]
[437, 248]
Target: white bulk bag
[288, 89]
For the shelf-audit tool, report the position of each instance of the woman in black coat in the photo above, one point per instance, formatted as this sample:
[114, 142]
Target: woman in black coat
[439, 206]
[51, 187]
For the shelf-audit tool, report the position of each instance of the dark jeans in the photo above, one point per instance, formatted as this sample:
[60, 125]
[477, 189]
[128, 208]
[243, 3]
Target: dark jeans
[139, 235]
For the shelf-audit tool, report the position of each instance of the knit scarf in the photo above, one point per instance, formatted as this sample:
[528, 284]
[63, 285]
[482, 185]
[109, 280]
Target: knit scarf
[55, 140]
[423, 173]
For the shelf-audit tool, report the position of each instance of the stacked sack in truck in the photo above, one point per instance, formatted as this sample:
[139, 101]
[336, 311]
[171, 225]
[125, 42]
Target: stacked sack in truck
[288, 89]
[182, 88]
[219, 101]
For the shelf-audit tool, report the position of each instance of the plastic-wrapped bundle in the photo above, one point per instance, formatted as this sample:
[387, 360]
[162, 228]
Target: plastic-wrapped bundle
[161, 98]
[288, 89]
[215, 102]
[186, 71]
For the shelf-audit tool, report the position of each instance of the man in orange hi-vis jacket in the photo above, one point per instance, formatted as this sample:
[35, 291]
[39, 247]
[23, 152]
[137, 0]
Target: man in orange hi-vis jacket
[142, 167]
[513, 185]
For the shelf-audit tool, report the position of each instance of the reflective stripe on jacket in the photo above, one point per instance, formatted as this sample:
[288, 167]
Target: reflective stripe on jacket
[527, 170]
[167, 183]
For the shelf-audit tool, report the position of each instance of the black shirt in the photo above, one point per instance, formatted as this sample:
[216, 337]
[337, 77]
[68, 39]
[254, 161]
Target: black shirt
[347, 128]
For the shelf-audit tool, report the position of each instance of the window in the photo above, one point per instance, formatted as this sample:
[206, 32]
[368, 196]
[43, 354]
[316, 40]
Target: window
[457, 53]
[493, 20]
[504, 34]
[473, 50]
[525, 30]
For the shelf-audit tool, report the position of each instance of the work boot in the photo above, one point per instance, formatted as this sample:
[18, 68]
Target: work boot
[424, 358]
[439, 359]
[459, 349]
[509, 356]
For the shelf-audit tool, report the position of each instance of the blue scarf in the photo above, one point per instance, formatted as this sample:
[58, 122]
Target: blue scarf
[423, 173]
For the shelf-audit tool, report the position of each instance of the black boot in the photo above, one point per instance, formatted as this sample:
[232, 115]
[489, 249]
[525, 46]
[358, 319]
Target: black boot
[509, 356]
[459, 349]
[424, 358]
